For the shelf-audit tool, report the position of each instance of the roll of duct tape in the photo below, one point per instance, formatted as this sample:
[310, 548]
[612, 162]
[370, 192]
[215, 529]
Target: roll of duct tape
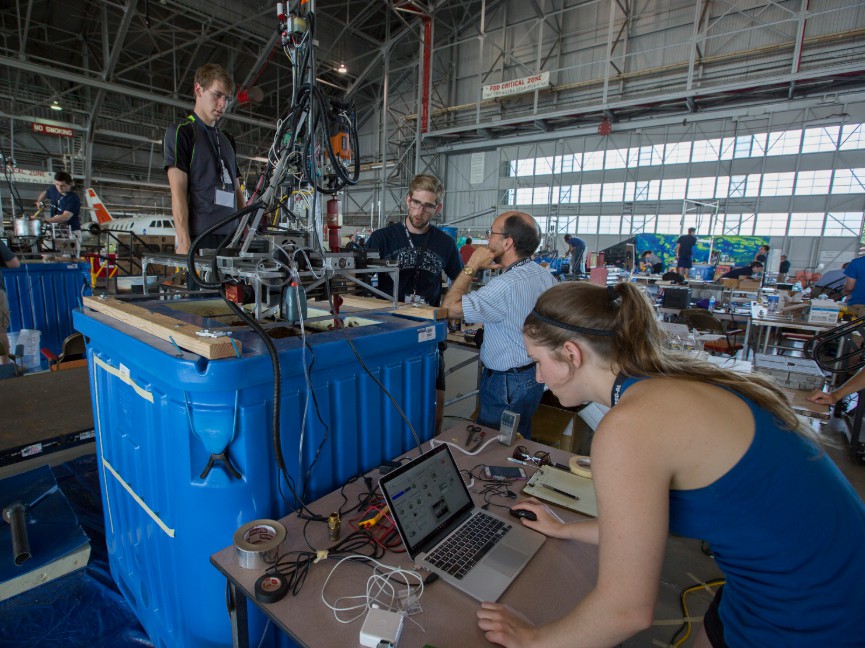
[257, 543]
[581, 465]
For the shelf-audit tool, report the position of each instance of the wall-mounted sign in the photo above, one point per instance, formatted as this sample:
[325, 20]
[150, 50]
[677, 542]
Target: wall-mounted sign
[48, 129]
[517, 86]
[32, 176]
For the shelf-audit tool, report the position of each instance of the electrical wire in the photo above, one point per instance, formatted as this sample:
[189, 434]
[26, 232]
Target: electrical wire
[687, 626]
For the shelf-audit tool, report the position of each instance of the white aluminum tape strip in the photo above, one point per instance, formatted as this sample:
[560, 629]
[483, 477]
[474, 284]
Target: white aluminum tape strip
[124, 376]
[140, 502]
[98, 412]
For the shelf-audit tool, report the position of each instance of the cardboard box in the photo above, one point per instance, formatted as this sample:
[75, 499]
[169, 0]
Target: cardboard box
[823, 311]
[733, 284]
[560, 427]
[749, 284]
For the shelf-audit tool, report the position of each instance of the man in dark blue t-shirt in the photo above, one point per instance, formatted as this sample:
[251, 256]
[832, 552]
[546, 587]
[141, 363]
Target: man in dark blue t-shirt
[685, 251]
[422, 252]
[65, 205]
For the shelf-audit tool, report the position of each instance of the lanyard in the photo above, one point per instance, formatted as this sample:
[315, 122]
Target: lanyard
[616, 394]
[221, 169]
[517, 264]
[420, 255]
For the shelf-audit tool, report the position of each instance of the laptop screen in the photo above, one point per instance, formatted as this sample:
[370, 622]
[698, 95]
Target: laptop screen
[424, 496]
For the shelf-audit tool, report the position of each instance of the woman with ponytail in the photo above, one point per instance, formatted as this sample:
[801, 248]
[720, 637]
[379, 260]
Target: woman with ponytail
[700, 451]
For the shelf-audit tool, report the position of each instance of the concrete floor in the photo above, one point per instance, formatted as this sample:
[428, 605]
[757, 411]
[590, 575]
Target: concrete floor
[685, 564]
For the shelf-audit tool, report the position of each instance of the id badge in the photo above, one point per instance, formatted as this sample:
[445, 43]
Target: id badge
[225, 198]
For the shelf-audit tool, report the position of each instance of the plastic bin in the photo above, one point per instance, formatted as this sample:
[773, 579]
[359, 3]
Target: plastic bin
[42, 296]
[29, 339]
[160, 413]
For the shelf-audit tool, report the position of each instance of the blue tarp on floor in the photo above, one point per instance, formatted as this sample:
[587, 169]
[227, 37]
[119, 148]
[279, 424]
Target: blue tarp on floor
[84, 608]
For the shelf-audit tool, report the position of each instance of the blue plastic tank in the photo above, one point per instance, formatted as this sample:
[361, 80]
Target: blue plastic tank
[42, 296]
[160, 412]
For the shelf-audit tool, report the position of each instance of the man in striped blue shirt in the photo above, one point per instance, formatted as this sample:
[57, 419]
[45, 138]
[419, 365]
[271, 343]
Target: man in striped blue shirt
[508, 381]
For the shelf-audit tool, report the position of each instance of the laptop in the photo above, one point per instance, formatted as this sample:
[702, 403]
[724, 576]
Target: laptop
[434, 514]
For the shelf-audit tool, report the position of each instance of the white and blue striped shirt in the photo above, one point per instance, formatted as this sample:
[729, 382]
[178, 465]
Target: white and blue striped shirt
[502, 306]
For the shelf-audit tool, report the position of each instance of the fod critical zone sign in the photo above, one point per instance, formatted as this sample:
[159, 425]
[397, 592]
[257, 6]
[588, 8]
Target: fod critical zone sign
[48, 129]
[517, 86]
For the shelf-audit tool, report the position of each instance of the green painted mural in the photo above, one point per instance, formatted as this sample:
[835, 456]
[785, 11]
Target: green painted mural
[726, 250]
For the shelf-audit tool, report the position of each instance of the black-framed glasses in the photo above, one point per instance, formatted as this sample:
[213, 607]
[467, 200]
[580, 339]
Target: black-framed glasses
[219, 96]
[417, 204]
[491, 233]
[540, 458]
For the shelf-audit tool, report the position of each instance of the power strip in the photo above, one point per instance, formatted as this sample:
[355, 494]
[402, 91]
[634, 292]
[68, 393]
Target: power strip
[381, 627]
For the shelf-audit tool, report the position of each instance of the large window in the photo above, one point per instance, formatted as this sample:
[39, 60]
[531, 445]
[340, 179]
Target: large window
[645, 183]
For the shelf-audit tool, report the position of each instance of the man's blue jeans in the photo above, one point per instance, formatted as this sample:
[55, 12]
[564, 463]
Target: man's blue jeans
[516, 391]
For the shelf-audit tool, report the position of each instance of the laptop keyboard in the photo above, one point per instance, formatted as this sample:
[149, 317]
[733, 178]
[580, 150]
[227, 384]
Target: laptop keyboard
[468, 545]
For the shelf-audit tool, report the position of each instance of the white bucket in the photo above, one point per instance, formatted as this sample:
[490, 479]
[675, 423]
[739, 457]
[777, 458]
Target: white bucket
[30, 339]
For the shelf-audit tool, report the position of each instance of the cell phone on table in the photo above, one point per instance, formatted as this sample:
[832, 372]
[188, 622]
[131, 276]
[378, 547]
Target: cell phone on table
[504, 472]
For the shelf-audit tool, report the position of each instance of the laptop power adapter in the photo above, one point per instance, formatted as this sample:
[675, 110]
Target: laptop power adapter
[381, 628]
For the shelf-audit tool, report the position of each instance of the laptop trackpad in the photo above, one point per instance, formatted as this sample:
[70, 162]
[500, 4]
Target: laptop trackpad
[505, 560]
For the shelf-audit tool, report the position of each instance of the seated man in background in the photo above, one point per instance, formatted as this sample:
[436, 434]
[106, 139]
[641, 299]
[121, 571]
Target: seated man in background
[744, 272]
[651, 262]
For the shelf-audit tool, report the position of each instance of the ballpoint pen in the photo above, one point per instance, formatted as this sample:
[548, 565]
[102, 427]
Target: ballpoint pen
[517, 461]
[560, 491]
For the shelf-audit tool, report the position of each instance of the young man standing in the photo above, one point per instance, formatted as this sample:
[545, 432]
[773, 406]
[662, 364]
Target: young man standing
[685, 251]
[201, 164]
[422, 252]
[65, 205]
[508, 381]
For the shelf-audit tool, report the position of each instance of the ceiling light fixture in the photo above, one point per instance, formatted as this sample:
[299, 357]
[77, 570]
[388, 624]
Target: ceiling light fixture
[342, 69]
[56, 106]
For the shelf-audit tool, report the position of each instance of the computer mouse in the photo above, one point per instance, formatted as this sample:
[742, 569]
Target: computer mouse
[523, 513]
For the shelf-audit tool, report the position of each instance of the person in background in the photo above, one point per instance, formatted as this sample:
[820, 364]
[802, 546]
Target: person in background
[576, 253]
[651, 262]
[508, 381]
[422, 252]
[7, 260]
[741, 481]
[853, 288]
[466, 250]
[745, 271]
[685, 251]
[854, 384]
[783, 268]
[201, 164]
[762, 254]
[65, 205]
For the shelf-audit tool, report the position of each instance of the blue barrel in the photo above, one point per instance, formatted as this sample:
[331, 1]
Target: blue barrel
[161, 412]
[42, 296]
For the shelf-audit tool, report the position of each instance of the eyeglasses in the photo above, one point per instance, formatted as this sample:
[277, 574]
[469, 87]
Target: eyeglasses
[417, 204]
[491, 233]
[218, 96]
[540, 458]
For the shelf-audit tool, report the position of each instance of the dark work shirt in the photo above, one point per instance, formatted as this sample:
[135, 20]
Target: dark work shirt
[65, 202]
[192, 147]
[784, 268]
[686, 244]
[421, 262]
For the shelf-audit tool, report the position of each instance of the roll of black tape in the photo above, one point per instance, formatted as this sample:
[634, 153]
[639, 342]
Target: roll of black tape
[270, 588]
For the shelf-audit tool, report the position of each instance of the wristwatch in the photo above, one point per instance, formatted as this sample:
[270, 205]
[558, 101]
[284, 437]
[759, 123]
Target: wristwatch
[469, 270]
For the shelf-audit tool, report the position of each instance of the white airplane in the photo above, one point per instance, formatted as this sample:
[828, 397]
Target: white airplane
[153, 225]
